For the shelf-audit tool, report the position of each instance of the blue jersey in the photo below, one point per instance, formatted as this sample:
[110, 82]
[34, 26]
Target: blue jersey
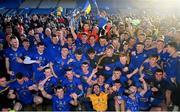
[61, 104]
[95, 47]
[83, 78]
[121, 91]
[144, 101]
[123, 79]
[44, 60]
[50, 84]
[169, 66]
[159, 96]
[178, 71]
[28, 67]
[71, 86]
[23, 94]
[150, 52]
[102, 88]
[60, 66]
[46, 41]
[148, 70]
[100, 49]
[13, 64]
[83, 46]
[53, 50]
[75, 64]
[101, 21]
[138, 59]
[132, 104]
[70, 48]
[163, 56]
[130, 66]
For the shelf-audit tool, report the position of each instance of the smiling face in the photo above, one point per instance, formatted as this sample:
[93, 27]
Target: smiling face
[84, 67]
[14, 43]
[96, 89]
[69, 75]
[133, 89]
[60, 93]
[3, 81]
[64, 52]
[123, 59]
[153, 60]
[139, 48]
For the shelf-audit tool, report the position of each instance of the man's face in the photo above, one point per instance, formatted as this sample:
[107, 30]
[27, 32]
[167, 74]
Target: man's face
[92, 40]
[169, 49]
[101, 79]
[123, 60]
[3, 81]
[91, 55]
[109, 52]
[26, 44]
[132, 42]
[158, 76]
[41, 48]
[160, 45]
[140, 48]
[84, 67]
[69, 75]
[64, 51]
[102, 41]
[15, 43]
[116, 74]
[47, 72]
[153, 60]
[96, 90]
[84, 38]
[118, 85]
[8, 31]
[55, 40]
[48, 32]
[141, 38]
[86, 27]
[31, 32]
[20, 81]
[69, 41]
[148, 43]
[60, 93]
[78, 57]
[133, 89]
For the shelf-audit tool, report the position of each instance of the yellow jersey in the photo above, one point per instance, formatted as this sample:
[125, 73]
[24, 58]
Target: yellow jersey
[99, 102]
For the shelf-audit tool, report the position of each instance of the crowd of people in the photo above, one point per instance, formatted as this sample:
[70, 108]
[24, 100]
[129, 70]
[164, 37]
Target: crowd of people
[89, 62]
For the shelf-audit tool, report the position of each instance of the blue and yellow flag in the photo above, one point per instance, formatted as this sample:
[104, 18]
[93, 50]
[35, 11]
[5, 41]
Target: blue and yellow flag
[87, 7]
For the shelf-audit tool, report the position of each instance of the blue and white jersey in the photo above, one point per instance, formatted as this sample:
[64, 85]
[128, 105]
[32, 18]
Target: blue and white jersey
[61, 104]
[23, 94]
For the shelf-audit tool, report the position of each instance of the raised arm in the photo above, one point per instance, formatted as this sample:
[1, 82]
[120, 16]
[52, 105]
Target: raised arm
[73, 33]
[51, 67]
[131, 74]
[44, 93]
[144, 86]
[74, 101]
